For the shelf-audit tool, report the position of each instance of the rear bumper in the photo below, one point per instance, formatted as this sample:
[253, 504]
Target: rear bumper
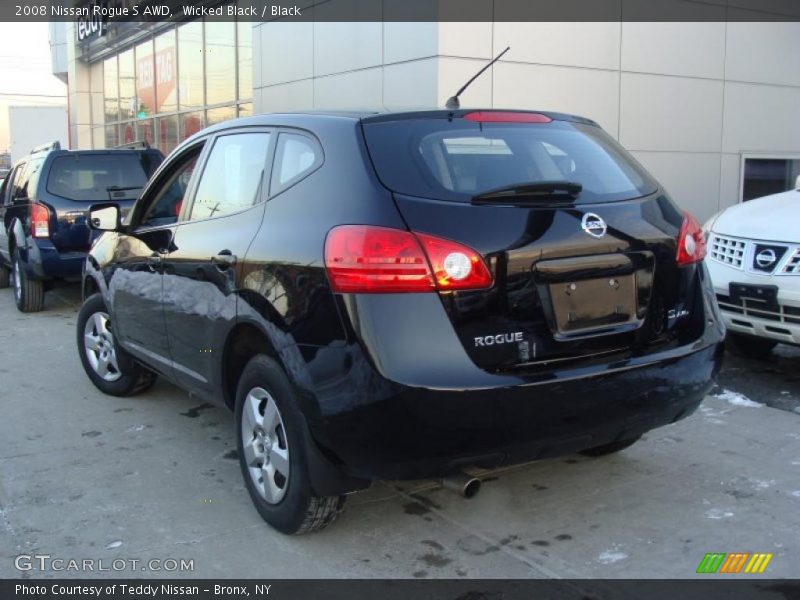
[397, 415]
[44, 261]
[424, 433]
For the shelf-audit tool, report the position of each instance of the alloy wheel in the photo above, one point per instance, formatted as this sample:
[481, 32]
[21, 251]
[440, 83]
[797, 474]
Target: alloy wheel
[265, 445]
[98, 343]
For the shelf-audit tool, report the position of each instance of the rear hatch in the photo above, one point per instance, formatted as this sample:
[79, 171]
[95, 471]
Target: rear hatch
[580, 241]
[76, 180]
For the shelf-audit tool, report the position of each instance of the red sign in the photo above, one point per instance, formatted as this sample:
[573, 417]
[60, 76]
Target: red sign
[155, 81]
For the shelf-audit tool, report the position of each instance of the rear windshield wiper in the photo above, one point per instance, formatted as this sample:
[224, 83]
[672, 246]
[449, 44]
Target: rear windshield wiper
[531, 192]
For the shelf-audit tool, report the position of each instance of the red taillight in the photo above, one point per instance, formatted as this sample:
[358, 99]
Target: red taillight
[40, 221]
[366, 259]
[455, 266]
[691, 242]
[499, 116]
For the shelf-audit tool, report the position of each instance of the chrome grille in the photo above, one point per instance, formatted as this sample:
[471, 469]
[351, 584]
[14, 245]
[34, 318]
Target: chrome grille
[792, 266]
[728, 250]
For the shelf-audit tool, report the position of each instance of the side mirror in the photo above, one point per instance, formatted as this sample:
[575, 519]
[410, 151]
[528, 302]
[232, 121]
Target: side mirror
[104, 217]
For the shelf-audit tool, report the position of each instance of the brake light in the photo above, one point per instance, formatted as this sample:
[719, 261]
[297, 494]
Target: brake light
[499, 116]
[40, 221]
[691, 242]
[366, 259]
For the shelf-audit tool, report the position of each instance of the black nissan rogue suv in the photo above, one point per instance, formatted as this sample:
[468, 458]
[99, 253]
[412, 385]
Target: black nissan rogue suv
[404, 295]
[43, 206]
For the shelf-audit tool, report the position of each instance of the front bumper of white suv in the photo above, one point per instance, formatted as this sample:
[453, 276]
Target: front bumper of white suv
[757, 285]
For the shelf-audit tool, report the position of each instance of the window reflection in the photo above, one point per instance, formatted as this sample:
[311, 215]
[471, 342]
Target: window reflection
[218, 115]
[145, 80]
[245, 61]
[111, 136]
[167, 133]
[166, 72]
[220, 62]
[110, 92]
[190, 65]
[127, 86]
[190, 123]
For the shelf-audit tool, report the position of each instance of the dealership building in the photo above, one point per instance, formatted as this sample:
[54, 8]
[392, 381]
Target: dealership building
[711, 108]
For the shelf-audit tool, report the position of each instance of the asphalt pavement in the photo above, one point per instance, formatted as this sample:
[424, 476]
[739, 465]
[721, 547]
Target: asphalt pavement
[84, 476]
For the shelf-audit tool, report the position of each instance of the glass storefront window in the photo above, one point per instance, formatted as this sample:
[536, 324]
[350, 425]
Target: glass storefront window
[190, 65]
[127, 133]
[220, 62]
[165, 74]
[127, 86]
[190, 123]
[110, 91]
[218, 115]
[245, 61]
[111, 136]
[144, 131]
[145, 80]
[167, 133]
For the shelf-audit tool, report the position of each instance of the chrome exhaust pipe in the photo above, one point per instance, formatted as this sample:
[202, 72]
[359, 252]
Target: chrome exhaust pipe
[463, 484]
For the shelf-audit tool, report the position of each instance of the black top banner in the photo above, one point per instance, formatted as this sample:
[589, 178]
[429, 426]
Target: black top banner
[403, 589]
[105, 11]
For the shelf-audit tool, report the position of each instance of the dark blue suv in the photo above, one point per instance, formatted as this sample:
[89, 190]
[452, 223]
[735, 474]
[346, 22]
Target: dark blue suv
[44, 203]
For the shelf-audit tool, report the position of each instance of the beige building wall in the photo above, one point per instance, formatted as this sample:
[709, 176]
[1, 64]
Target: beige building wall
[687, 99]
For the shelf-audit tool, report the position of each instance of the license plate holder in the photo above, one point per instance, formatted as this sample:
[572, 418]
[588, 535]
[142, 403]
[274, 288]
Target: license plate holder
[758, 296]
[591, 305]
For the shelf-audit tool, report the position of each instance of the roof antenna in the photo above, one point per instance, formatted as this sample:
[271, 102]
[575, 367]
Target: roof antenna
[452, 102]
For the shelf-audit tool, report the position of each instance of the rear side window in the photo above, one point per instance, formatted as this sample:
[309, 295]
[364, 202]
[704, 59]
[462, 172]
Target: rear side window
[295, 157]
[232, 177]
[98, 177]
[457, 160]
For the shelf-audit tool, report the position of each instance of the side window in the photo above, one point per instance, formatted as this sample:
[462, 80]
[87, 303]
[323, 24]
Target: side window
[32, 175]
[19, 186]
[295, 157]
[167, 200]
[8, 186]
[231, 179]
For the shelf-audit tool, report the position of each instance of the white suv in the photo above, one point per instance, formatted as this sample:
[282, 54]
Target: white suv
[754, 261]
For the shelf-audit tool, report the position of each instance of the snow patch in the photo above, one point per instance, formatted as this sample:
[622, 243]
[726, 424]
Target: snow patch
[611, 556]
[718, 513]
[796, 493]
[737, 399]
[112, 545]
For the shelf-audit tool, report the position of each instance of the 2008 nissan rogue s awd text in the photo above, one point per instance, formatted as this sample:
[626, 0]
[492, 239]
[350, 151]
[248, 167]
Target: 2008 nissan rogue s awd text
[403, 295]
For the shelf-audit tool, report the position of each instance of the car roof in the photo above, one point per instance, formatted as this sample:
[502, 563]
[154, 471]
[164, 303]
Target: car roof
[307, 118]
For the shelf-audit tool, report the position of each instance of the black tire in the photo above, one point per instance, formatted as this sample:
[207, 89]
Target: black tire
[299, 510]
[5, 277]
[750, 346]
[611, 448]
[132, 377]
[28, 293]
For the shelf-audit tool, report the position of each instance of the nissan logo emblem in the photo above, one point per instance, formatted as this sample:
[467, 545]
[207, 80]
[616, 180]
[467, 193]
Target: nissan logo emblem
[594, 225]
[765, 258]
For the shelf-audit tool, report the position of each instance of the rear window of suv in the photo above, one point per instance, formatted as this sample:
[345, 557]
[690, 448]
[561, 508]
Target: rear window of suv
[459, 159]
[98, 177]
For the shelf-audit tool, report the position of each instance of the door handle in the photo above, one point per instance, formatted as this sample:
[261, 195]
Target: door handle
[224, 259]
